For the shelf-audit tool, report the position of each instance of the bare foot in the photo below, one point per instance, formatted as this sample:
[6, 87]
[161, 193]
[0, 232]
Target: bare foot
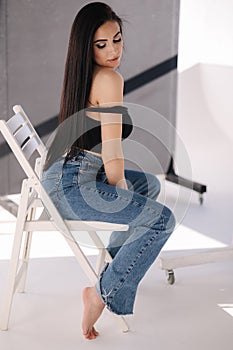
[93, 307]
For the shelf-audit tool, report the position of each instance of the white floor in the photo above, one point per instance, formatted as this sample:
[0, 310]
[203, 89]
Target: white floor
[195, 313]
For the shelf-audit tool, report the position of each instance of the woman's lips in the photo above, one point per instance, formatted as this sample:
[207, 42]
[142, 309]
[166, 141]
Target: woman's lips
[114, 59]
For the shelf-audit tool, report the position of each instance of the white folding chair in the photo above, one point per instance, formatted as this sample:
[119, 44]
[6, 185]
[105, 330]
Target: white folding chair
[23, 140]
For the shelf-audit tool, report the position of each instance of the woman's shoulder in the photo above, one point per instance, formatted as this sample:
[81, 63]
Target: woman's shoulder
[107, 85]
[105, 75]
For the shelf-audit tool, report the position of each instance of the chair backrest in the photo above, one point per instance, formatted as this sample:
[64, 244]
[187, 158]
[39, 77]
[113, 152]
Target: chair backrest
[25, 131]
[22, 138]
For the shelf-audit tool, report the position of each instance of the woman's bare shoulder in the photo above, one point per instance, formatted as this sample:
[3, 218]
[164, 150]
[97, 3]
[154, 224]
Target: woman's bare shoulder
[107, 85]
[105, 75]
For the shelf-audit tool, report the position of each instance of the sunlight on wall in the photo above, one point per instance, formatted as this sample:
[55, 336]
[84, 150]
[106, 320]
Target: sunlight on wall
[205, 33]
[227, 308]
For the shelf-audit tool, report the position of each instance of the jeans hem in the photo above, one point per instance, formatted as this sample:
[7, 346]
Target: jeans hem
[104, 297]
[108, 306]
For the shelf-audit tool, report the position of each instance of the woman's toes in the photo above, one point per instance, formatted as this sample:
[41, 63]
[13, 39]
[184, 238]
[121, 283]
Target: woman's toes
[93, 308]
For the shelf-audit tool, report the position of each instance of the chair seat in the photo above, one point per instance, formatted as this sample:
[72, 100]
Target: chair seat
[73, 225]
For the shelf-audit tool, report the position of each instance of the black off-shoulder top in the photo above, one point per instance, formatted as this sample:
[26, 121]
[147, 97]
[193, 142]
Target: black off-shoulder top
[81, 132]
[90, 138]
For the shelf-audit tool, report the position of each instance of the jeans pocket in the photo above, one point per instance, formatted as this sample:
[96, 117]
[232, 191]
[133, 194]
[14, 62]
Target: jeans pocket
[51, 182]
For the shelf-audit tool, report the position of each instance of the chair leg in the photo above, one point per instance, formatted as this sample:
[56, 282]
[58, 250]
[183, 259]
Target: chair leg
[101, 258]
[123, 324]
[11, 282]
[26, 252]
[14, 262]
[25, 259]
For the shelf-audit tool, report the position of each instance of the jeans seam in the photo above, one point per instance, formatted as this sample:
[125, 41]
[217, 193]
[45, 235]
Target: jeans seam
[135, 203]
[57, 197]
[109, 298]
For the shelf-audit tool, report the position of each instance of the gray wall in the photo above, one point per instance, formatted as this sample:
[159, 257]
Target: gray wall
[33, 44]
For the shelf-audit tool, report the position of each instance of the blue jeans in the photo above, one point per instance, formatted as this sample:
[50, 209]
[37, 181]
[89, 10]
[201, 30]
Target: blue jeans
[80, 191]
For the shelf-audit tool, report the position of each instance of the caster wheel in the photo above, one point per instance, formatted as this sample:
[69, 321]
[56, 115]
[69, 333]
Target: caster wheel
[201, 199]
[170, 276]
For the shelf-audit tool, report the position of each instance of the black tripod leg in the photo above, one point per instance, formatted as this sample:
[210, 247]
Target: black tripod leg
[195, 186]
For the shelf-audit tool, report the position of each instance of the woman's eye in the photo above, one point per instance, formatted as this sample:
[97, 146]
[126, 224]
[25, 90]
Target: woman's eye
[101, 46]
[117, 40]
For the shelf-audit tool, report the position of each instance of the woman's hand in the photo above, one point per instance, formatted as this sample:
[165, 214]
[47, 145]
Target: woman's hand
[115, 172]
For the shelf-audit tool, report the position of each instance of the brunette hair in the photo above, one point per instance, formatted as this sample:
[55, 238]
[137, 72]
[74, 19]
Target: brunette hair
[78, 78]
[79, 62]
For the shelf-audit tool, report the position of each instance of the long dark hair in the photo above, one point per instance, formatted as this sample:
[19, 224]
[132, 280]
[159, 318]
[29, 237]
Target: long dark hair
[78, 78]
[79, 62]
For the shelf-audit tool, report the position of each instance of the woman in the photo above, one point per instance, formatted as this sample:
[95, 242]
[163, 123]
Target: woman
[90, 182]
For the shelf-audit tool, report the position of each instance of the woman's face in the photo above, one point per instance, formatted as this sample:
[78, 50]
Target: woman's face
[107, 45]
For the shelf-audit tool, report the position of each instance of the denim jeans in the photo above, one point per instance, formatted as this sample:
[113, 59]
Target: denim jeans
[80, 191]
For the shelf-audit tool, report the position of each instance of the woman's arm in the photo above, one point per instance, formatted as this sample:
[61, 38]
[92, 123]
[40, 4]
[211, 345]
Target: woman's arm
[111, 88]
